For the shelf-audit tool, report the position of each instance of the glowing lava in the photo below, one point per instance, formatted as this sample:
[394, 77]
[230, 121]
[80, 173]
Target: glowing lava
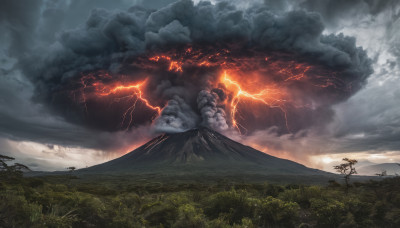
[175, 66]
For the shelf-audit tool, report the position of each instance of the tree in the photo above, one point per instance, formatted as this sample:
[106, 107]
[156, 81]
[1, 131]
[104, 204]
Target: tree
[3, 164]
[346, 169]
[71, 169]
[11, 170]
[384, 173]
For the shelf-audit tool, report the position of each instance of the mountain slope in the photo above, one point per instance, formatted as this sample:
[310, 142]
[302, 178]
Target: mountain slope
[199, 150]
[390, 168]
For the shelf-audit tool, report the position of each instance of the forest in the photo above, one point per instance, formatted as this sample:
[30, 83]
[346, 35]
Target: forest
[67, 200]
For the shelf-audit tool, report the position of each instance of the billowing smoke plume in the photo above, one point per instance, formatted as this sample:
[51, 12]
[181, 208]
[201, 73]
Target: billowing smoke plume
[212, 115]
[177, 116]
[123, 69]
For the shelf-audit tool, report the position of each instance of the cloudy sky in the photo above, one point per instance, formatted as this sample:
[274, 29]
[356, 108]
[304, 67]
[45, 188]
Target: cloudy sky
[55, 55]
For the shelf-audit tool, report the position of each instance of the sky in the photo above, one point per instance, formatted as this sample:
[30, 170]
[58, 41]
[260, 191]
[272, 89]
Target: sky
[83, 82]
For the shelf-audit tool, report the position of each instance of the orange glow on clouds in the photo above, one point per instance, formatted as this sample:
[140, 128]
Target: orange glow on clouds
[270, 97]
[131, 92]
[252, 80]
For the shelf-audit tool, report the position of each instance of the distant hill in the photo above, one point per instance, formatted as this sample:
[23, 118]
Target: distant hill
[391, 169]
[199, 151]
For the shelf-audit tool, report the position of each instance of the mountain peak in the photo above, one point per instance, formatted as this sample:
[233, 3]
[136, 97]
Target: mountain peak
[198, 150]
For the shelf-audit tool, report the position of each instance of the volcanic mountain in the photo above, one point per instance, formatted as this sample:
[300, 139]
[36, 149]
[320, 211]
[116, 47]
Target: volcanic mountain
[199, 151]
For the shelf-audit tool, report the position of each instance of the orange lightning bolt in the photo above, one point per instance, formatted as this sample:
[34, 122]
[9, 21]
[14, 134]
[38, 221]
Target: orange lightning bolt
[136, 95]
[270, 97]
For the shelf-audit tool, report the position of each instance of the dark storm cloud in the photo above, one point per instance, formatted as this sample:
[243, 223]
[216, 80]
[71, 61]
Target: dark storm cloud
[369, 121]
[19, 24]
[109, 38]
[25, 26]
[333, 11]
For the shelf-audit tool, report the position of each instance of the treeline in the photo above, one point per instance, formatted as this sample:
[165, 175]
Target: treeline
[65, 201]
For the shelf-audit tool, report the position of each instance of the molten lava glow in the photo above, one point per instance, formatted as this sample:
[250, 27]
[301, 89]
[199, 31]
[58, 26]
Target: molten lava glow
[173, 65]
[176, 61]
[270, 97]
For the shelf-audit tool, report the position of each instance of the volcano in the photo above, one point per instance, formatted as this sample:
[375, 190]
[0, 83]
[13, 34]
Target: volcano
[199, 151]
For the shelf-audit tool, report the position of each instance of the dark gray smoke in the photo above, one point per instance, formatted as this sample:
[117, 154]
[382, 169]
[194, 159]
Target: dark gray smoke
[112, 41]
[212, 114]
[177, 116]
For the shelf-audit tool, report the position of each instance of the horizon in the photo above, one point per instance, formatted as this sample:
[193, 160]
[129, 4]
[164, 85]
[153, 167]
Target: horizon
[329, 163]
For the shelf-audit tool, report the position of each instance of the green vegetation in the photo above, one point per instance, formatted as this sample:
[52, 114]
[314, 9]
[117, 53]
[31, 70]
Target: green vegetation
[68, 201]
[120, 201]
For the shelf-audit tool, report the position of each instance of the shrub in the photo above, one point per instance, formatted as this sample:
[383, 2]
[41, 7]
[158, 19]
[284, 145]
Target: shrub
[360, 211]
[218, 223]
[392, 218]
[277, 213]
[189, 217]
[232, 205]
[328, 213]
[302, 196]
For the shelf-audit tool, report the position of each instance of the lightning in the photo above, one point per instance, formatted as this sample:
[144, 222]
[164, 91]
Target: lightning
[130, 92]
[135, 94]
[270, 97]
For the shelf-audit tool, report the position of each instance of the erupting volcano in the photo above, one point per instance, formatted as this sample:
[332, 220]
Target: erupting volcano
[199, 151]
[134, 74]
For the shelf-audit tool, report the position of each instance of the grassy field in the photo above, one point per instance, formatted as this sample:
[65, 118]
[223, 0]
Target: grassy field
[151, 201]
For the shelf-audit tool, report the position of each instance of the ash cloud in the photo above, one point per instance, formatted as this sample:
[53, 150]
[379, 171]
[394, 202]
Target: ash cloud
[109, 40]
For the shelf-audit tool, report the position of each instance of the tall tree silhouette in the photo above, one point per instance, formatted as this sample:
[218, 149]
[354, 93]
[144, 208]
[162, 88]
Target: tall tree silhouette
[347, 169]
